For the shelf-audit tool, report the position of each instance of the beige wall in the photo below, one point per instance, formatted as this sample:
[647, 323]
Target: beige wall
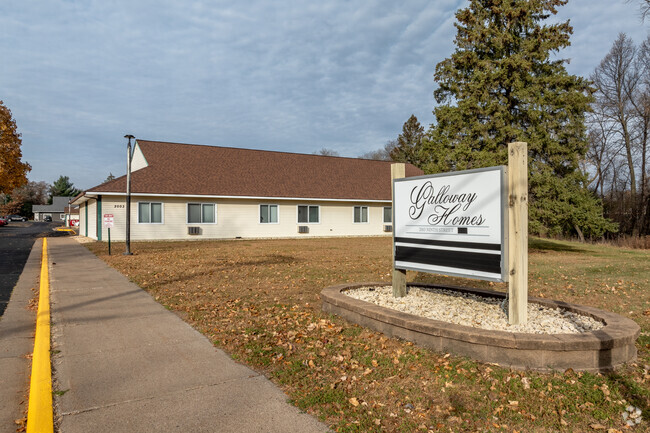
[82, 219]
[92, 218]
[138, 160]
[235, 218]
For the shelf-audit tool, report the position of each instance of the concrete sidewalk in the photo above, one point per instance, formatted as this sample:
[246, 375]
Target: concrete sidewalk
[126, 364]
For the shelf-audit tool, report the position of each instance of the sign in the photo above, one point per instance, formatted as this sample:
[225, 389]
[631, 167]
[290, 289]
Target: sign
[452, 223]
[108, 220]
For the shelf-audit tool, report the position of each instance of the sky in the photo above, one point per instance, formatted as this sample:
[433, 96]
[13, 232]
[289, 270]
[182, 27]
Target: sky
[292, 76]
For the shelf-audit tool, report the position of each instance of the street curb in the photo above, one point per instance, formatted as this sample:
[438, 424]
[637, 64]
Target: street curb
[17, 343]
[39, 414]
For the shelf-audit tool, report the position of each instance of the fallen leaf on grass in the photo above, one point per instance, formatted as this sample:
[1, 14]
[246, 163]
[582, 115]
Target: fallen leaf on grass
[354, 402]
[597, 426]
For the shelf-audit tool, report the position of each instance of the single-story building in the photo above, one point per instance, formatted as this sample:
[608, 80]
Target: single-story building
[187, 191]
[56, 210]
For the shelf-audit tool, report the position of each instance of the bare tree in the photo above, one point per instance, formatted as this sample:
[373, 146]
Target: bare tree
[645, 9]
[383, 154]
[619, 83]
[641, 103]
[326, 152]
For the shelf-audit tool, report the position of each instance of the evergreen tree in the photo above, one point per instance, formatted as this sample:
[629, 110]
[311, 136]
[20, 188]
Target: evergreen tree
[62, 187]
[501, 86]
[408, 141]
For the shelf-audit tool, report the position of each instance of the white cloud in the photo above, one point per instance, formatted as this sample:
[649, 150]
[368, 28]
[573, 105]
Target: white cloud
[293, 76]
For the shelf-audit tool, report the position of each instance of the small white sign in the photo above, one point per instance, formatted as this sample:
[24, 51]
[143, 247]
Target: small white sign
[108, 220]
[452, 223]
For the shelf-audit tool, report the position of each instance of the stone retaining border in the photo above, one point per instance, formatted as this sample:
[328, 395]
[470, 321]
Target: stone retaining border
[595, 351]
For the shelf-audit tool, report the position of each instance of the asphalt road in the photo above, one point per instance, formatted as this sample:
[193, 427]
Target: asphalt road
[16, 241]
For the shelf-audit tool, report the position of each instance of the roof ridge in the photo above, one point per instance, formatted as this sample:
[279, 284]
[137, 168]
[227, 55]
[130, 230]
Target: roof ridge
[264, 150]
[196, 169]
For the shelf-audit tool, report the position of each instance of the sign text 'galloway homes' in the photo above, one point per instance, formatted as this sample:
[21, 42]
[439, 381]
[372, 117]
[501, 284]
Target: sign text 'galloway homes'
[452, 223]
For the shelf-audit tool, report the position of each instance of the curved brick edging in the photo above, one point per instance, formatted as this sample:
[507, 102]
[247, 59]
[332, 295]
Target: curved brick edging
[601, 350]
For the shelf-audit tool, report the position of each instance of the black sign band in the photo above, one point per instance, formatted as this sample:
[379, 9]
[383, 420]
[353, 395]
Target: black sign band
[474, 261]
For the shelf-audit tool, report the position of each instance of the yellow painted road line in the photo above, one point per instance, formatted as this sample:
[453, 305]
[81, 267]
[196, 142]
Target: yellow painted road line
[39, 414]
[61, 229]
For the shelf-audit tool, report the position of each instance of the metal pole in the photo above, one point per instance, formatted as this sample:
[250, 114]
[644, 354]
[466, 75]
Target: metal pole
[128, 196]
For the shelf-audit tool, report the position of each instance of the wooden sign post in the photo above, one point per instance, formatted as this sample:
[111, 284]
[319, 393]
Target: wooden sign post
[470, 224]
[397, 171]
[518, 233]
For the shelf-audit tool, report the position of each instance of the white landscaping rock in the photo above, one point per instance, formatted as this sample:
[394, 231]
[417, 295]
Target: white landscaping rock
[475, 311]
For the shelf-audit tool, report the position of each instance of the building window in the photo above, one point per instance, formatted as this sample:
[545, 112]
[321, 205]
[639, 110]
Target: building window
[388, 215]
[308, 214]
[150, 213]
[201, 213]
[268, 213]
[62, 216]
[361, 214]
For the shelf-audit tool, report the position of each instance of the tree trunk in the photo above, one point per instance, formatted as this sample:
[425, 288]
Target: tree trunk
[580, 235]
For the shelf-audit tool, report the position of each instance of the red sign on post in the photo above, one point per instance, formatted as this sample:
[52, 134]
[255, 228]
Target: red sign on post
[108, 220]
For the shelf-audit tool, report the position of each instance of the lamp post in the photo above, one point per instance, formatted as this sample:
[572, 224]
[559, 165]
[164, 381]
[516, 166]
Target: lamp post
[129, 156]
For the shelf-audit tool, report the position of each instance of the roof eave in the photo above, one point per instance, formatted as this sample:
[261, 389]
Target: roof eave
[241, 197]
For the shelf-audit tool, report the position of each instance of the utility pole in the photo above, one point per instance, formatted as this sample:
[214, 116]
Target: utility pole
[129, 157]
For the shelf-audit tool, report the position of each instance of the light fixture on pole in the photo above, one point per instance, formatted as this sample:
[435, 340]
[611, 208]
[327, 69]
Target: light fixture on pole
[129, 157]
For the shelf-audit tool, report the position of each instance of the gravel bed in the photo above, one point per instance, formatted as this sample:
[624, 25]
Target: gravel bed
[475, 311]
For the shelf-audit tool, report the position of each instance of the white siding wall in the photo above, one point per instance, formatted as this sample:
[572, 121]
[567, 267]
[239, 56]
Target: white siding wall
[92, 218]
[235, 218]
[138, 160]
[82, 219]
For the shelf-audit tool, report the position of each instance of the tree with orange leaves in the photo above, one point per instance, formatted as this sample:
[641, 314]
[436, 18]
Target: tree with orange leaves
[12, 170]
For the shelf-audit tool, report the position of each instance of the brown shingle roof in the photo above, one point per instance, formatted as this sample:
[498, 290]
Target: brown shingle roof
[190, 169]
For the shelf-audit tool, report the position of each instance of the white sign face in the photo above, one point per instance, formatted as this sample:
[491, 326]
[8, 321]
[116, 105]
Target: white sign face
[452, 224]
[108, 220]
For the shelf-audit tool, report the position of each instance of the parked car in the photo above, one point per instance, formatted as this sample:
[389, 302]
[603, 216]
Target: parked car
[47, 218]
[16, 218]
[3, 221]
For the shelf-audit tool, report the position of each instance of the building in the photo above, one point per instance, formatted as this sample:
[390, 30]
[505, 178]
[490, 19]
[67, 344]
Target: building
[56, 210]
[185, 191]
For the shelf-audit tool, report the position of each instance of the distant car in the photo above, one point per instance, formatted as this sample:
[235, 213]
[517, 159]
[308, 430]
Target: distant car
[16, 218]
[47, 218]
[3, 221]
